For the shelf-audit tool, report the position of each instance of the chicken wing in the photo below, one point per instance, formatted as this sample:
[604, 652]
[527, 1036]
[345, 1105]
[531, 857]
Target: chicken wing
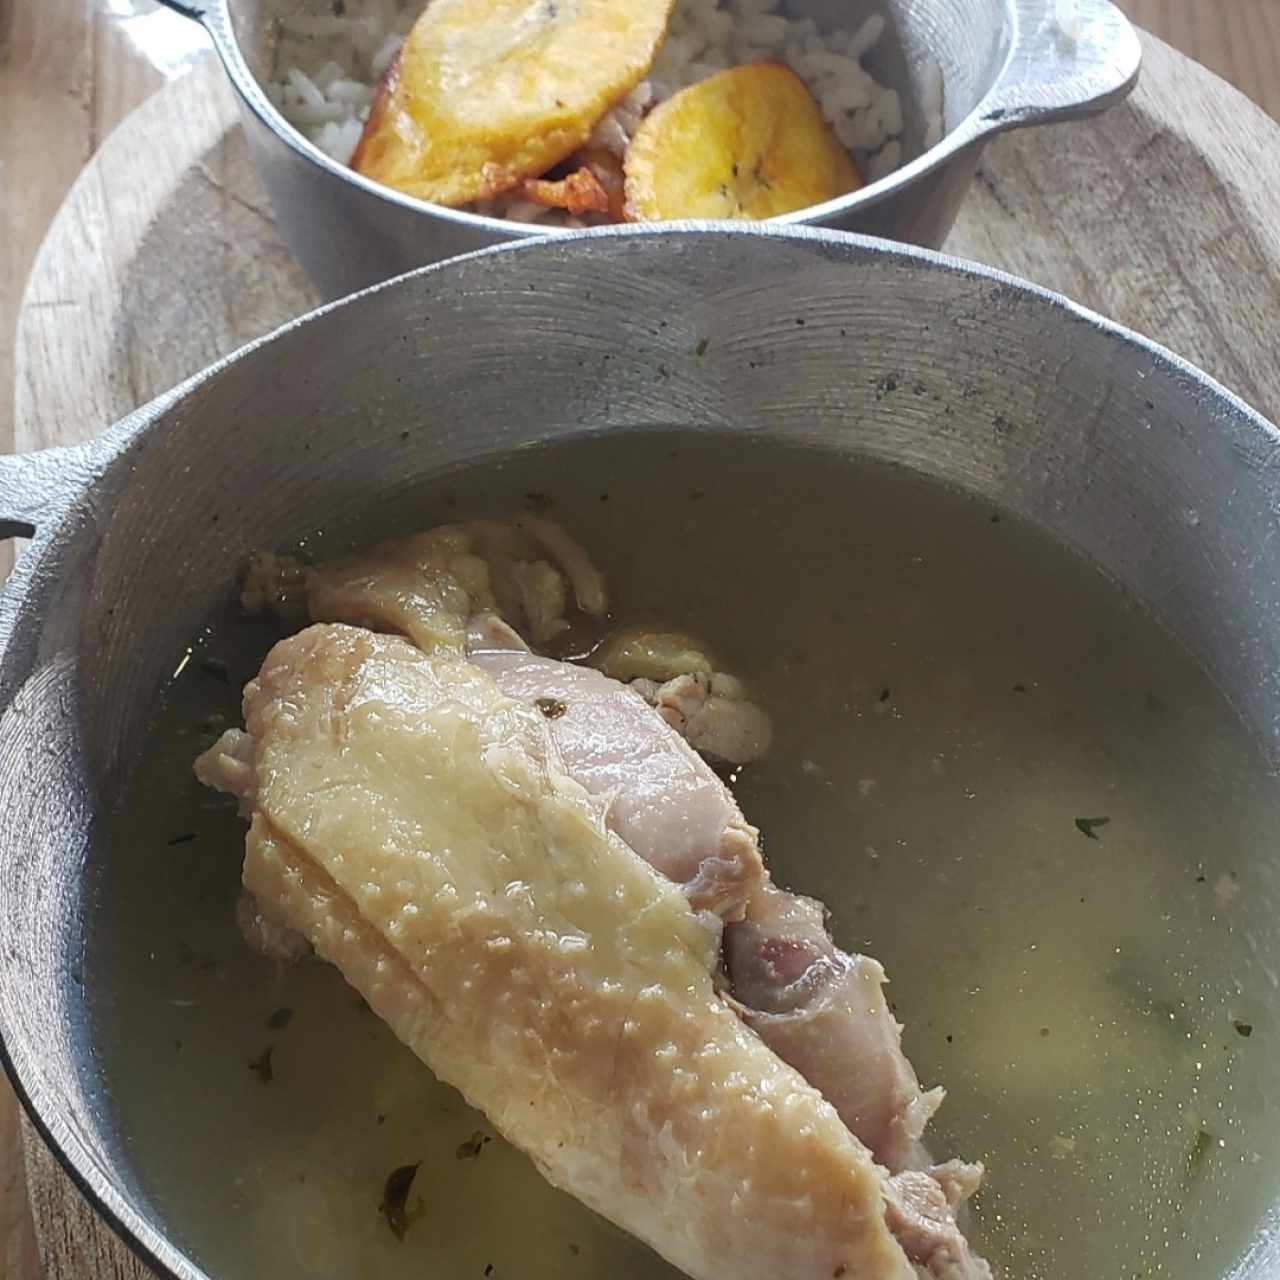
[414, 824]
[469, 597]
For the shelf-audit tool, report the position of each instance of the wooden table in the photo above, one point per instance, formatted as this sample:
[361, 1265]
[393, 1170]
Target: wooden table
[70, 70]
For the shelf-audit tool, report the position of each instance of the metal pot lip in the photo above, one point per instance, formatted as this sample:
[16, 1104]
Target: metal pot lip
[978, 124]
[848, 246]
[127, 1219]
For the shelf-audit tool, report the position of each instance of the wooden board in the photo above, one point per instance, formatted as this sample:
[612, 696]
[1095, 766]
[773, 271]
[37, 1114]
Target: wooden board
[1237, 39]
[1160, 213]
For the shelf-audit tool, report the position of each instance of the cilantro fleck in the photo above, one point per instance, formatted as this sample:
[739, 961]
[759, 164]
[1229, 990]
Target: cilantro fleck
[216, 669]
[700, 347]
[395, 1196]
[1243, 1028]
[280, 1019]
[1199, 1152]
[471, 1148]
[1088, 827]
[261, 1065]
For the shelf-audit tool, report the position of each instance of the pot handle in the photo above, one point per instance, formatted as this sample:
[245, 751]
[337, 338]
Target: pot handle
[1069, 59]
[32, 485]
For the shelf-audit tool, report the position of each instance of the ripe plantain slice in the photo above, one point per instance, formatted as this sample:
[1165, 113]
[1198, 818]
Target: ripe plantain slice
[749, 142]
[487, 92]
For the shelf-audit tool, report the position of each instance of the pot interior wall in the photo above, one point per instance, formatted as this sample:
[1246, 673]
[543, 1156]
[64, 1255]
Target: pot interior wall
[982, 386]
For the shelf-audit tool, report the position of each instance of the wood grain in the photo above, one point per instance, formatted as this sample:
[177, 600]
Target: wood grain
[67, 78]
[65, 81]
[74, 1243]
[1237, 39]
[190, 267]
[19, 1258]
[1161, 214]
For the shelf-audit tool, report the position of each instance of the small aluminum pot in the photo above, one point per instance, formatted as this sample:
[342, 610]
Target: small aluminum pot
[1005, 64]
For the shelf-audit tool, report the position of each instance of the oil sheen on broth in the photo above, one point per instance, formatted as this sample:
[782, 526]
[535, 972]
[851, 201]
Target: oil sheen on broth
[1007, 784]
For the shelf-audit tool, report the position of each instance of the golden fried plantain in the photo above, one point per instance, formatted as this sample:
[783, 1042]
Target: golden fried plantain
[578, 192]
[487, 92]
[749, 142]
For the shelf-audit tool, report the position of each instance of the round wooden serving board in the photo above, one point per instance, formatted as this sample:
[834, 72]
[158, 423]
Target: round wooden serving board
[1160, 214]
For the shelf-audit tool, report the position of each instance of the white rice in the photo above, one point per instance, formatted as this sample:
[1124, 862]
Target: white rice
[331, 54]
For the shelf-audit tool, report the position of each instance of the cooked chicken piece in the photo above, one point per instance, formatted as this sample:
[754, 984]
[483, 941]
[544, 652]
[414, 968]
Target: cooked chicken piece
[958, 1179]
[659, 795]
[918, 1208]
[820, 1010]
[707, 708]
[712, 714]
[414, 824]
[228, 766]
[642, 653]
[275, 583]
[427, 586]
[266, 935]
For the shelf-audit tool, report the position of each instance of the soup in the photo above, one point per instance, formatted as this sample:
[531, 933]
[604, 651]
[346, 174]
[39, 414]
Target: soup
[1007, 783]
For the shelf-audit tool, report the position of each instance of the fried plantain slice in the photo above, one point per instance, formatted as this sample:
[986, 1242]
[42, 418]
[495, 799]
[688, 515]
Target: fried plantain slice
[578, 192]
[749, 142]
[486, 92]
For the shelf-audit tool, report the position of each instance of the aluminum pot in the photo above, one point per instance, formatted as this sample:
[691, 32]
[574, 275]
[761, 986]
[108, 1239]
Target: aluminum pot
[1005, 63]
[1096, 436]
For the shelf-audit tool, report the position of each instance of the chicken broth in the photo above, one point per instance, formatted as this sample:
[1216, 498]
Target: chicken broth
[1005, 781]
